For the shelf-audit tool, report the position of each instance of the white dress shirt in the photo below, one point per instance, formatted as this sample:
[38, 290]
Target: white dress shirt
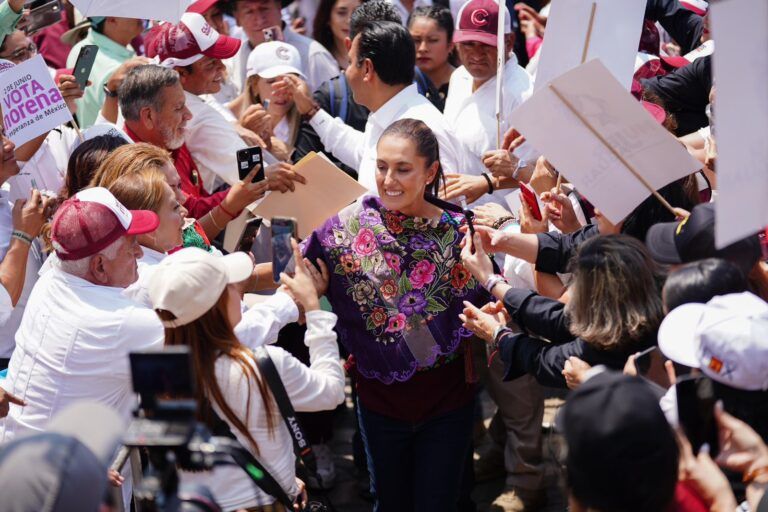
[34, 262]
[47, 167]
[317, 63]
[472, 116]
[260, 324]
[6, 305]
[358, 149]
[73, 345]
[319, 387]
[213, 142]
[404, 12]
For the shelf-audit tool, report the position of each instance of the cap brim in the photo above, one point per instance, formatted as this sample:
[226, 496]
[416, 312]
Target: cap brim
[678, 339]
[467, 36]
[675, 62]
[276, 71]
[224, 47]
[142, 221]
[660, 242]
[95, 425]
[656, 111]
[237, 265]
[201, 6]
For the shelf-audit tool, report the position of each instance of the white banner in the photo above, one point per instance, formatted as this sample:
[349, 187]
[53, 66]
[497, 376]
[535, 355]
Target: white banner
[31, 103]
[581, 30]
[740, 117]
[165, 10]
[606, 121]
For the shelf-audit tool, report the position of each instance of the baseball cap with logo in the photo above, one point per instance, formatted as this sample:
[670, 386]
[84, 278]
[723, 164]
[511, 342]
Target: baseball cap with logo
[189, 282]
[92, 219]
[479, 22]
[727, 338]
[693, 239]
[272, 59]
[201, 6]
[188, 41]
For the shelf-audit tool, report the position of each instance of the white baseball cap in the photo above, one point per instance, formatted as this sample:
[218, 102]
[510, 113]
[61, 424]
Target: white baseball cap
[727, 338]
[189, 282]
[272, 59]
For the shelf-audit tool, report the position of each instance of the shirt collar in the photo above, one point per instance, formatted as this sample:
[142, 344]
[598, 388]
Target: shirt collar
[151, 256]
[389, 110]
[110, 47]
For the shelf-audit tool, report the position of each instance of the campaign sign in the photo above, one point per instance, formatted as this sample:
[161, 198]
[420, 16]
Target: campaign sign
[31, 103]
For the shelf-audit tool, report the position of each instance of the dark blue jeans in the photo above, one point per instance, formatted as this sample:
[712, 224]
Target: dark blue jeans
[416, 467]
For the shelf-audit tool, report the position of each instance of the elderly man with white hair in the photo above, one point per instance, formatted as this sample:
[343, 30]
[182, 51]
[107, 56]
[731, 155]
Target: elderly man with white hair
[78, 326]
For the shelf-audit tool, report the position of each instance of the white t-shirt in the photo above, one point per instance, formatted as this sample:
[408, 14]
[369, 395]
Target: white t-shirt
[34, 262]
[318, 387]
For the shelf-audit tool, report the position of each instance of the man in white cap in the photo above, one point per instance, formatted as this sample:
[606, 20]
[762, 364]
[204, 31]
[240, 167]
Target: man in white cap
[471, 102]
[78, 326]
[195, 50]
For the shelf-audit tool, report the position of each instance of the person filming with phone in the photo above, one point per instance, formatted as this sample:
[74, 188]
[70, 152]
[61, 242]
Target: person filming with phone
[195, 295]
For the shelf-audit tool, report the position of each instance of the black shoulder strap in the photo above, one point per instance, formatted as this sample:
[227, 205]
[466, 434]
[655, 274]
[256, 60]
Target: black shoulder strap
[301, 446]
[250, 464]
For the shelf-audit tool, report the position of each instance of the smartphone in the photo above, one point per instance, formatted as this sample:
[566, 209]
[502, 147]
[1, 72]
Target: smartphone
[249, 234]
[42, 14]
[529, 196]
[283, 229]
[247, 159]
[643, 360]
[84, 64]
[696, 412]
[274, 33]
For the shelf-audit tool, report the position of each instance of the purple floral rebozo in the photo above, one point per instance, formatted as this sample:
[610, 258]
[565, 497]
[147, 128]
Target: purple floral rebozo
[391, 274]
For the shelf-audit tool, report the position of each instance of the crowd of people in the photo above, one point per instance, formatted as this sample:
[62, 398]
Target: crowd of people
[440, 285]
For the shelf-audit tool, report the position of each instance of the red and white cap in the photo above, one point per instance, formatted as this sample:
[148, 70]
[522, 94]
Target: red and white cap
[183, 44]
[201, 6]
[92, 219]
[700, 7]
[726, 338]
[479, 22]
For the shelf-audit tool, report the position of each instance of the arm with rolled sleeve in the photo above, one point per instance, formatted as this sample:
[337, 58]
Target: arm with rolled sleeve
[343, 141]
[262, 322]
[320, 386]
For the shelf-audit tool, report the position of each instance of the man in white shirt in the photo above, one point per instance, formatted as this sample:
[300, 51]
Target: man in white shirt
[253, 16]
[380, 75]
[79, 327]
[471, 102]
[195, 50]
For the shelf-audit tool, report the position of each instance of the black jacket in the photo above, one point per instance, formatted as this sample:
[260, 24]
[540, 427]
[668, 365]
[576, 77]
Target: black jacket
[684, 25]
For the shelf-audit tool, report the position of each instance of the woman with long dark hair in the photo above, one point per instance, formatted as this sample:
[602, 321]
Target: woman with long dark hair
[331, 27]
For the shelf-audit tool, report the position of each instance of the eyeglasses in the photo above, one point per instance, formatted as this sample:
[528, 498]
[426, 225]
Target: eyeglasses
[22, 54]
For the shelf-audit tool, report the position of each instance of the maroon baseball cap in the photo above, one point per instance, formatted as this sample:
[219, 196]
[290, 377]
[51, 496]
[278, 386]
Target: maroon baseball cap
[92, 219]
[187, 42]
[479, 22]
[201, 6]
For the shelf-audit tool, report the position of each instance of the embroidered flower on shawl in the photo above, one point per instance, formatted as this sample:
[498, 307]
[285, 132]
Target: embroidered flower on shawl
[422, 274]
[388, 288]
[393, 260]
[396, 323]
[379, 317]
[370, 217]
[412, 303]
[349, 263]
[364, 243]
[393, 223]
[460, 276]
[363, 292]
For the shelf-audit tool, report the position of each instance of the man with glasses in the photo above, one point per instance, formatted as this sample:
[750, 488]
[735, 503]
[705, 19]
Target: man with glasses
[17, 47]
[113, 37]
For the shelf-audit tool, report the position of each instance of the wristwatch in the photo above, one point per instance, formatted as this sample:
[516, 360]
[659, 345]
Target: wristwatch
[110, 94]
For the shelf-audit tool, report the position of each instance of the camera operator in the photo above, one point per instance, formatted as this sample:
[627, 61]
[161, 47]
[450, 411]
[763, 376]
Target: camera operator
[198, 303]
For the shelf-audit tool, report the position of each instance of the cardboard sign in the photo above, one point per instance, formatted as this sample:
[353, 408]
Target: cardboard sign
[598, 136]
[164, 10]
[740, 118]
[581, 30]
[31, 103]
[327, 191]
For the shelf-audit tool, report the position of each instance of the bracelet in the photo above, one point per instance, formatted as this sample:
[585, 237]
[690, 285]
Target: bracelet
[490, 182]
[497, 335]
[500, 222]
[752, 475]
[311, 112]
[108, 93]
[507, 223]
[213, 219]
[231, 215]
[492, 281]
[20, 235]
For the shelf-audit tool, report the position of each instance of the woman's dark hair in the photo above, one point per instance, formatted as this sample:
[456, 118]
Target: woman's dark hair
[321, 27]
[427, 146]
[441, 16]
[391, 50]
[700, 281]
[651, 211]
[85, 159]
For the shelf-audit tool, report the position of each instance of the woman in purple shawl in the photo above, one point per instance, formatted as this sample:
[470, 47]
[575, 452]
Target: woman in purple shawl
[397, 285]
